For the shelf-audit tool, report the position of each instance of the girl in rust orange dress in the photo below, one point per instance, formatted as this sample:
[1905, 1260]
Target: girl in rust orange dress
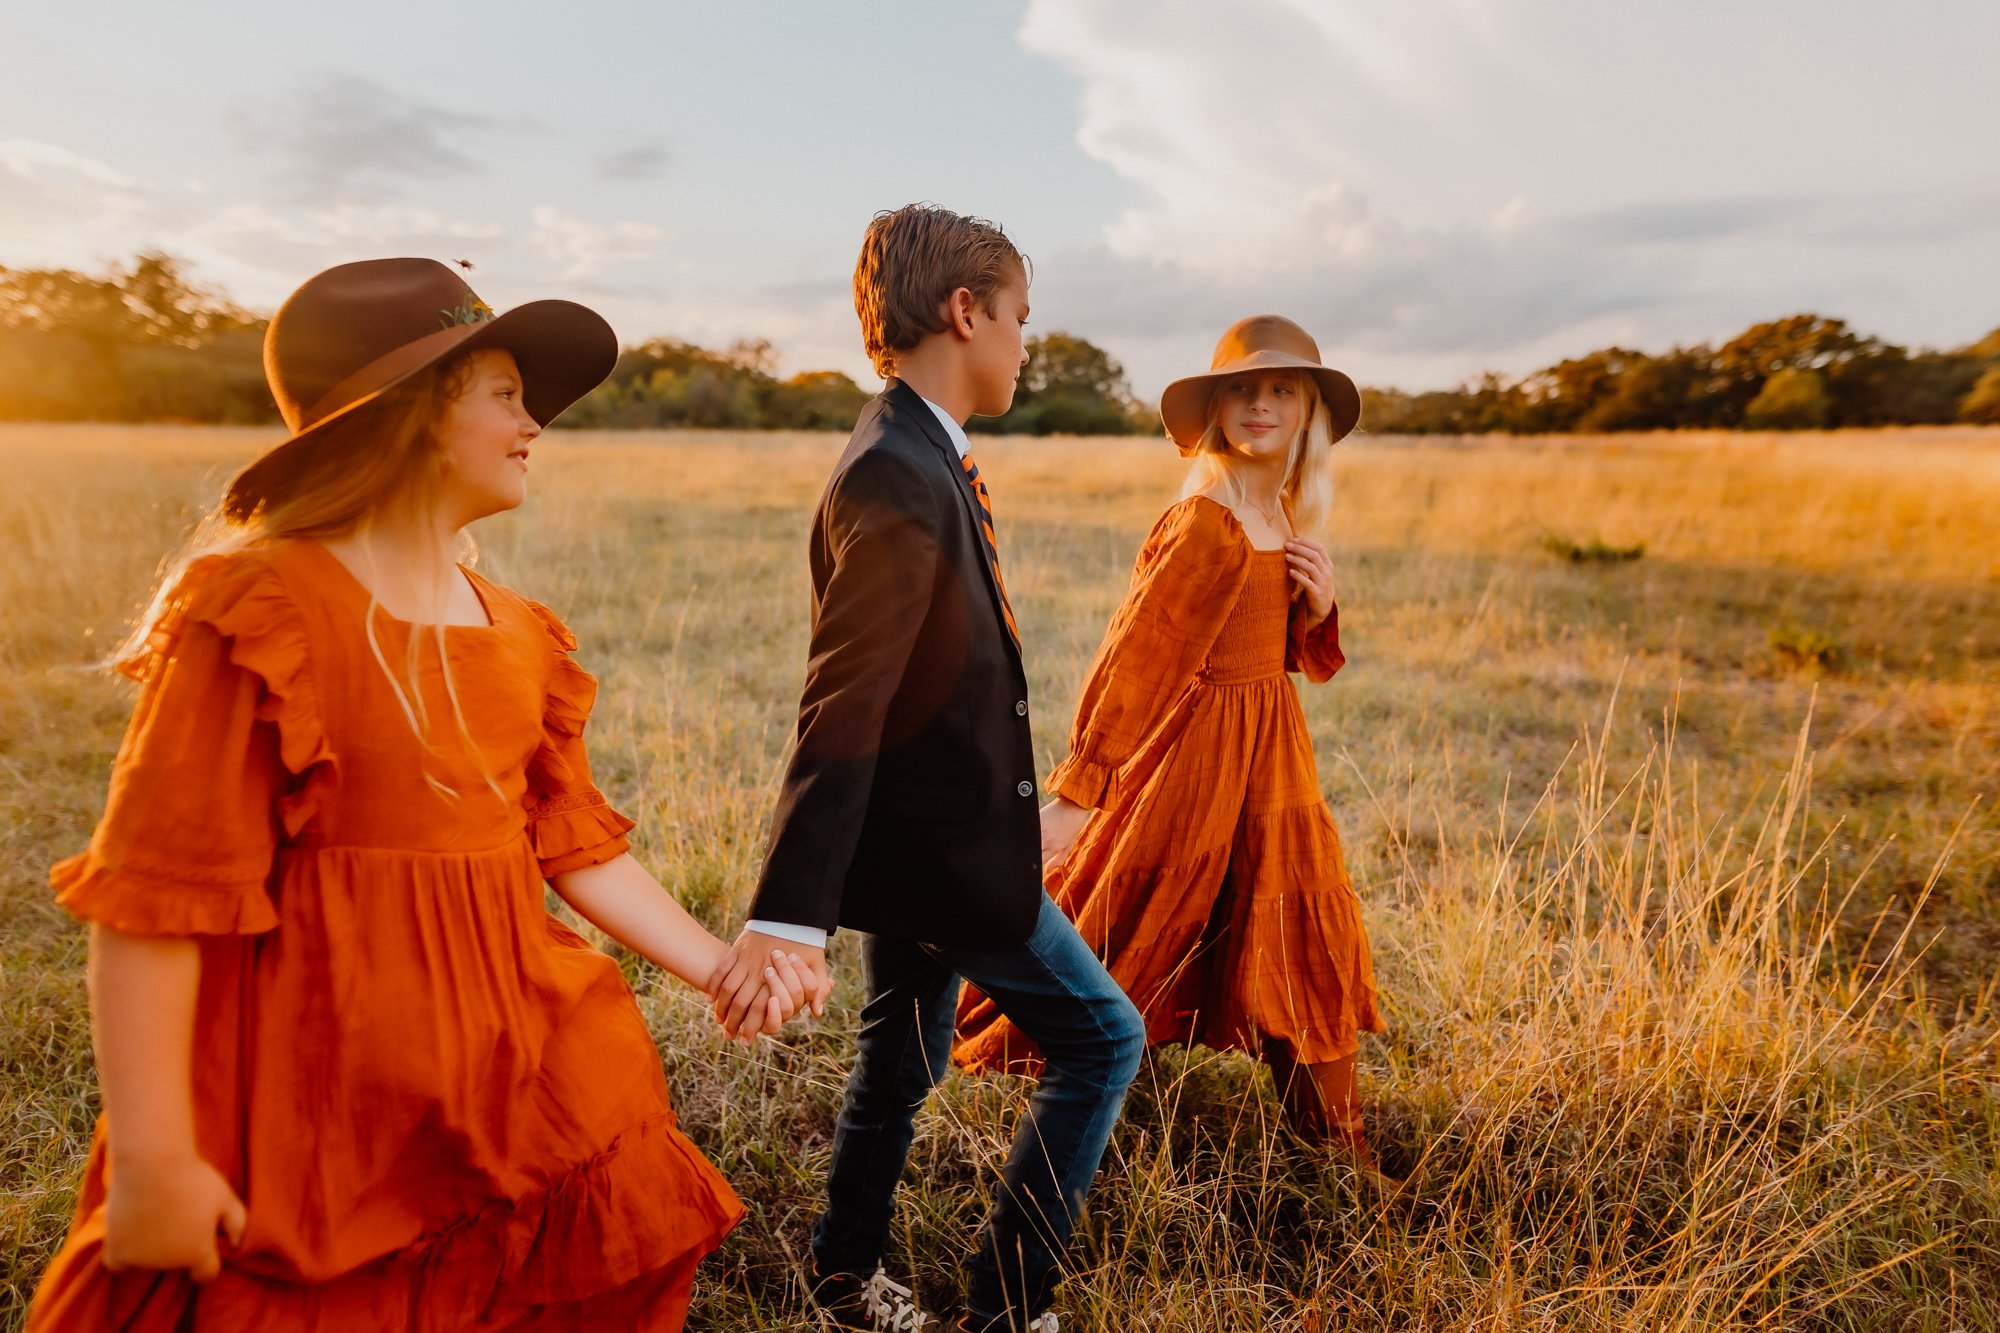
[1188, 837]
[355, 1075]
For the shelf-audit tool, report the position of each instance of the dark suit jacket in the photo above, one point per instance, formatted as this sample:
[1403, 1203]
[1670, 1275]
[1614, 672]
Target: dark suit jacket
[909, 806]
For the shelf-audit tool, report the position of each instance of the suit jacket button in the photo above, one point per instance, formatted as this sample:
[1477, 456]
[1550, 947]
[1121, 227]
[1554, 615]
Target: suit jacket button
[1021, 708]
[1026, 789]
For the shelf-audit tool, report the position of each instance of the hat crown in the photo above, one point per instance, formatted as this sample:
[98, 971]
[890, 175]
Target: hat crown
[1263, 333]
[352, 315]
[1259, 343]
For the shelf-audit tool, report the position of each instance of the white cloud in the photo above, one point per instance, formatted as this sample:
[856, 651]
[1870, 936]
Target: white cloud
[584, 248]
[1252, 130]
[1440, 188]
[345, 138]
[51, 166]
[58, 207]
[346, 225]
[62, 197]
[259, 252]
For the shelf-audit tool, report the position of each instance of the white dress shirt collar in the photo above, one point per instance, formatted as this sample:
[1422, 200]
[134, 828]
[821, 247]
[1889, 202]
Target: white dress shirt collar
[951, 428]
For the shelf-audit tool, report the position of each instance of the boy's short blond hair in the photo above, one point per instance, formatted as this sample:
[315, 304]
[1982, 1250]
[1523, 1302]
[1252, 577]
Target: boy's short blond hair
[912, 259]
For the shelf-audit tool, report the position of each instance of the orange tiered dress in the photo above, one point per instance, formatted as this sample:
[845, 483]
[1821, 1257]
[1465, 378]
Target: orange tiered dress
[440, 1104]
[1209, 877]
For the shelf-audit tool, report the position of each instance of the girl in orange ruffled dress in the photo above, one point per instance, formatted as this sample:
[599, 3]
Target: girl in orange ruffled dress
[355, 1075]
[1188, 837]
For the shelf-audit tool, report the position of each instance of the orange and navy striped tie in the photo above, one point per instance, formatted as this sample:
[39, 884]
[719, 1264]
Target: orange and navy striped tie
[992, 546]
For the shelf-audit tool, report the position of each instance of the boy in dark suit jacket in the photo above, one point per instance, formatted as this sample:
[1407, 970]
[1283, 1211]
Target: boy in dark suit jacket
[909, 809]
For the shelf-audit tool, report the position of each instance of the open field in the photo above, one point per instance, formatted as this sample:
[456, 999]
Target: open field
[1682, 870]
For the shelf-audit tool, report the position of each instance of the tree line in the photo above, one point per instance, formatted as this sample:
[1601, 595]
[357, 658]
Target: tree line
[1805, 372]
[142, 342]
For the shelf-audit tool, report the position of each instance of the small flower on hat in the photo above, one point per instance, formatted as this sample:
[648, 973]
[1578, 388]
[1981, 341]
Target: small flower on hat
[471, 310]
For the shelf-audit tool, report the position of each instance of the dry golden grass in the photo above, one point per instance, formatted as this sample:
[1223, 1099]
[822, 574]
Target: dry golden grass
[1683, 872]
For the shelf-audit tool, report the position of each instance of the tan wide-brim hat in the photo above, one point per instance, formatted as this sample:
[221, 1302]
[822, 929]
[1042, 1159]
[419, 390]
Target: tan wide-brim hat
[1261, 342]
[350, 334]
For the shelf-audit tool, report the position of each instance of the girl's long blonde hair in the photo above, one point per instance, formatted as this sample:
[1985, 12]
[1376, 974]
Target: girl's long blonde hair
[377, 459]
[1307, 490]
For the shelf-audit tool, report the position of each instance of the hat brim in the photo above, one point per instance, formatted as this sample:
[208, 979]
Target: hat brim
[564, 350]
[1184, 403]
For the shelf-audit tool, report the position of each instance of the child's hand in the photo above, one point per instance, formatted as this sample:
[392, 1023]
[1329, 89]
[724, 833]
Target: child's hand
[164, 1212]
[1062, 822]
[748, 1004]
[766, 1017]
[784, 990]
[1312, 570]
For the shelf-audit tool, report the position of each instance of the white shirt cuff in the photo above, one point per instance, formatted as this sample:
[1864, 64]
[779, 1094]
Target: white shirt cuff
[811, 936]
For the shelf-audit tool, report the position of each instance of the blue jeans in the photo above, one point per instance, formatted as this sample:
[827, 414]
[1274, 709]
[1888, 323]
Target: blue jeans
[1091, 1037]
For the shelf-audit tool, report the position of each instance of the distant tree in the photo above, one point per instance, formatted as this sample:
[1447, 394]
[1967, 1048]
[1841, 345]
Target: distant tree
[1656, 393]
[1070, 386]
[755, 355]
[135, 344]
[1389, 412]
[817, 400]
[1064, 361]
[1792, 399]
[665, 382]
[1382, 407]
[1435, 412]
[1797, 342]
[1982, 404]
[1868, 389]
[1563, 396]
[1929, 387]
[716, 399]
[1492, 404]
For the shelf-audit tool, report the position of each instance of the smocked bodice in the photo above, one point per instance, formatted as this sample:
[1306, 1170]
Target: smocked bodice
[1251, 646]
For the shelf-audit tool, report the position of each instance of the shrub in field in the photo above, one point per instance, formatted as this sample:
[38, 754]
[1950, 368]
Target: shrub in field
[1596, 551]
[1803, 647]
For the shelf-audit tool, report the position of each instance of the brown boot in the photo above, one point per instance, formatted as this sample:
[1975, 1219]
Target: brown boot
[1322, 1107]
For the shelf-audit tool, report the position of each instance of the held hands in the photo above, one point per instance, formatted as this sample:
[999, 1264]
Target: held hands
[164, 1212]
[762, 981]
[1312, 570]
[1062, 822]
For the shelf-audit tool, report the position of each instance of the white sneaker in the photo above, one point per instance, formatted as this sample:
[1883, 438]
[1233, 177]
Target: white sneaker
[1044, 1322]
[893, 1307]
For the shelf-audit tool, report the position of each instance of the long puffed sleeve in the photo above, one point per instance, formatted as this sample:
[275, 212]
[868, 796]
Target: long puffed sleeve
[1187, 578]
[1314, 651]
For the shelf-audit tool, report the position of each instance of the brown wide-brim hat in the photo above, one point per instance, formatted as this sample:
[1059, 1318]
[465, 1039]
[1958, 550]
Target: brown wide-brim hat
[352, 333]
[1261, 342]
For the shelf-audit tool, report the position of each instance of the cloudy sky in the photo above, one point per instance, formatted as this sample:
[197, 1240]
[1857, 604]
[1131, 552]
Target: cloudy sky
[1433, 187]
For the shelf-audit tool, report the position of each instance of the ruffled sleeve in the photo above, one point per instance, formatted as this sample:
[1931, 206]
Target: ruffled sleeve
[220, 761]
[1315, 651]
[1187, 578]
[570, 824]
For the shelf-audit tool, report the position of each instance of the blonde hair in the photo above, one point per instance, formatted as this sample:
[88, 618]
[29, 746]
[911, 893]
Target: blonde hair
[378, 458]
[1307, 490]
